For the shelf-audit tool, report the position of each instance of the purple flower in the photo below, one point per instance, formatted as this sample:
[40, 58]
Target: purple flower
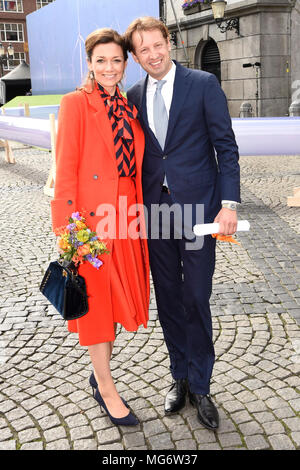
[76, 215]
[71, 226]
[96, 262]
[190, 3]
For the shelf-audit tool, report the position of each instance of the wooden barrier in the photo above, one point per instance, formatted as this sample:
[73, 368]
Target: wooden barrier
[49, 186]
[294, 201]
[9, 157]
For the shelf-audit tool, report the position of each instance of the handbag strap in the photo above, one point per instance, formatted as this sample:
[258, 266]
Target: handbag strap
[74, 278]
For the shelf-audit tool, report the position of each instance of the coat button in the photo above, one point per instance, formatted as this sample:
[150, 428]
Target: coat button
[95, 177]
[165, 157]
[70, 202]
[92, 213]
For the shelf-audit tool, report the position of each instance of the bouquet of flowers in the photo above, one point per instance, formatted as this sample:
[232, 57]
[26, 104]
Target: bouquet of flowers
[77, 243]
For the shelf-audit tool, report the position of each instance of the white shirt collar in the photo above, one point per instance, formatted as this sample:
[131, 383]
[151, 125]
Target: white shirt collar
[169, 77]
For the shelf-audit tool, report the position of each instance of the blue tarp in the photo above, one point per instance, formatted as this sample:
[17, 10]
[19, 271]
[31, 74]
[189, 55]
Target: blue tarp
[56, 36]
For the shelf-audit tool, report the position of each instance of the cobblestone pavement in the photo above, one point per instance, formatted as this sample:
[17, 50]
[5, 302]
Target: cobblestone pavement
[45, 400]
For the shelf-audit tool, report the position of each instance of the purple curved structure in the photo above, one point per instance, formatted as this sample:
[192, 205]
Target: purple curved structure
[267, 136]
[255, 136]
[35, 132]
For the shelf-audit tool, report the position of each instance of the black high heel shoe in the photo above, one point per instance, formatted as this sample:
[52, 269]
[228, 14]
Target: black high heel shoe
[94, 385]
[129, 420]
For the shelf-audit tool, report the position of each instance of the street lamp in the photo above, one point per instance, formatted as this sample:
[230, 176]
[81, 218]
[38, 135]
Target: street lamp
[4, 58]
[218, 8]
[257, 66]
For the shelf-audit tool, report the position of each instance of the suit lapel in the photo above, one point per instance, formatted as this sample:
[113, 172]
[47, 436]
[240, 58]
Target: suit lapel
[180, 90]
[144, 114]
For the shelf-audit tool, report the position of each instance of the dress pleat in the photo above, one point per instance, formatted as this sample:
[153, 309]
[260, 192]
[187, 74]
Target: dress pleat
[128, 287]
[128, 282]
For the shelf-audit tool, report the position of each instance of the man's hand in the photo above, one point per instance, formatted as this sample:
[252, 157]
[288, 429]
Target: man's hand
[227, 219]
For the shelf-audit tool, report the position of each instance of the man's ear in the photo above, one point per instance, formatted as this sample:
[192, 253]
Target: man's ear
[135, 58]
[169, 45]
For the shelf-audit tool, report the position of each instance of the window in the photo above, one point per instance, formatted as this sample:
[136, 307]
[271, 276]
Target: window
[13, 5]
[11, 32]
[14, 61]
[42, 3]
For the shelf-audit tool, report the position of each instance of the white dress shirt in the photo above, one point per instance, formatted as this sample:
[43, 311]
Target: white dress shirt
[167, 94]
[166, 91]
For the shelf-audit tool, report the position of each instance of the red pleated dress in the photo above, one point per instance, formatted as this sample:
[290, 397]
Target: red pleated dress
[129, 289]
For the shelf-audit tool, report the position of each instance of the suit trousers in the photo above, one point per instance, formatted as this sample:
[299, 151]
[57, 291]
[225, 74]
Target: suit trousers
[182, 281]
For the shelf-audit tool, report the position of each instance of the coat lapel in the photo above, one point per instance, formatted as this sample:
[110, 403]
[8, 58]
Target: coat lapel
[139, 143]
[104, 127]
[102, 121]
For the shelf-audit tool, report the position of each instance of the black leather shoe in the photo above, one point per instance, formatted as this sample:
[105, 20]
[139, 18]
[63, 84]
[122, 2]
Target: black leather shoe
[175, 398]
[207, 412]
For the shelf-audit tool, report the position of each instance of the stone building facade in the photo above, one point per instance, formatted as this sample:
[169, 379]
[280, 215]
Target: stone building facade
[269, 35]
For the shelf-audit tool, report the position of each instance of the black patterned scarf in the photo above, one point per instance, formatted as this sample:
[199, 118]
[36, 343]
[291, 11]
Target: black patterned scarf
[120, 113]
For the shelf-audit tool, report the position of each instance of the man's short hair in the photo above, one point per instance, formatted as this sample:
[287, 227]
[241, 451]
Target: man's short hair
[144, 23]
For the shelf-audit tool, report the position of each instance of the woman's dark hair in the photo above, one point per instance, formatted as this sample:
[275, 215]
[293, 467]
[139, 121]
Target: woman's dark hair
[100, 36]
[104, 36]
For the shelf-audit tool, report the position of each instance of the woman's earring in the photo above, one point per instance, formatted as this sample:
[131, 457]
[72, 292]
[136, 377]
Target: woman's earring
[91, 75]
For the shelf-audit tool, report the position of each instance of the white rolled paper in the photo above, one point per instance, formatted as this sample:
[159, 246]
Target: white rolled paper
[208, 229]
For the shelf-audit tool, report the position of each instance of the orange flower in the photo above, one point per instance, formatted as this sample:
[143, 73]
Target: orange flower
[77, 259]
[224, 238]
[83, 249]
[63, 244]
[61, 230]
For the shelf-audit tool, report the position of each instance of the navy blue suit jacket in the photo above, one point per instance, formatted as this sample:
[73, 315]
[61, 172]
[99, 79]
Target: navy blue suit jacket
[199, 125]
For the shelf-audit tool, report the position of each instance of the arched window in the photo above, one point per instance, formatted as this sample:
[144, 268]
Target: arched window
[210, 59]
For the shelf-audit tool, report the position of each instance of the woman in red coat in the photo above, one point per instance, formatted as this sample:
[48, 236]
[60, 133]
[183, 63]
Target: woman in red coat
[100, 147]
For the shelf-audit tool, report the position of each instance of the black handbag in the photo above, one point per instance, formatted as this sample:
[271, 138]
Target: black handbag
[65, 289]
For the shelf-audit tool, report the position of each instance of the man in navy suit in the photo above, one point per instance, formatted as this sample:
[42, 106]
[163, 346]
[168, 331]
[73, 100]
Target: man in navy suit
[196, 165]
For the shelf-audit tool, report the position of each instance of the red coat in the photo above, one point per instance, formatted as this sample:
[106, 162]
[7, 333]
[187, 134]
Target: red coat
[86, 176]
